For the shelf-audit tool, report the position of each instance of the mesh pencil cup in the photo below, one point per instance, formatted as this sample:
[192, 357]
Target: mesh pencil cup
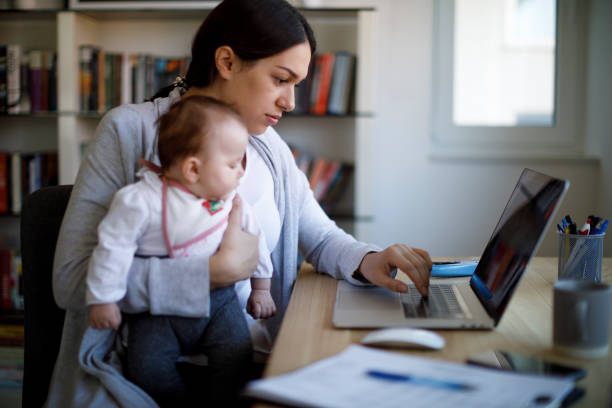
[580, 256]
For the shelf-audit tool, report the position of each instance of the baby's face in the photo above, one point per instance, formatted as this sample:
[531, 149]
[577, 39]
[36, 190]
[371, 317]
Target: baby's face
[222, 156]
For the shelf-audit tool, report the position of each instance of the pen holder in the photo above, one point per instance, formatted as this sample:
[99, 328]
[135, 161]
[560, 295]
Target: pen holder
[580, 256]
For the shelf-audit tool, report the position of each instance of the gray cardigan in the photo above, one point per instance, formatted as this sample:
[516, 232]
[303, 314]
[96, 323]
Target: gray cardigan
[87, 371]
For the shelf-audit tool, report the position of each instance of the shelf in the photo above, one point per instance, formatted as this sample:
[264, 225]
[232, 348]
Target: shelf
[11, 316]
[98, 115]
[29, 15]
[45, 115]
[128, 26]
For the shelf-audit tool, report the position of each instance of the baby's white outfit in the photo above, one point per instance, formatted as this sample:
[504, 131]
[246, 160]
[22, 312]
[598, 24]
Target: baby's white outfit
[154, 217]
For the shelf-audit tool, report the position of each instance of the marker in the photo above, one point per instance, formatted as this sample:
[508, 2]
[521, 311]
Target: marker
[560, 228]
[572, 228]
[564, 223]
[586, 228]
[602, 229]
[425, 381]
[594, 221]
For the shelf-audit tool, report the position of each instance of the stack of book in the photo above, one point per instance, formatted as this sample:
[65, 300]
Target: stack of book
[22, 174]
[328, 178]
[329, 87]
[28, 80]
[109, 79]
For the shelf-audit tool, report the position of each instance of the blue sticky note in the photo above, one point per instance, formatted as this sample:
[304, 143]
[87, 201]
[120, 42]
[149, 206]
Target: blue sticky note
[464, 267]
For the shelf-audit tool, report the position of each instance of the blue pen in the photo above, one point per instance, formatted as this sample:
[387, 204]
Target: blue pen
[428, 382]
[603, 228]
[564, 223]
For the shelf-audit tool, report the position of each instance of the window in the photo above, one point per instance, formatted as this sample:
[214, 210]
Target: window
[508, 77]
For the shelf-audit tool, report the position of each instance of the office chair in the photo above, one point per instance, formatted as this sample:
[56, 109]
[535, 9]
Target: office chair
[41, 216]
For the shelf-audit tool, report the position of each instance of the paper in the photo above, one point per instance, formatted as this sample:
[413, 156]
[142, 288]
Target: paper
[343, 381]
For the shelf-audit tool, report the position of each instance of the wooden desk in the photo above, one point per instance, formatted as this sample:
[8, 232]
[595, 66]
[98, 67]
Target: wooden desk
[307, 334]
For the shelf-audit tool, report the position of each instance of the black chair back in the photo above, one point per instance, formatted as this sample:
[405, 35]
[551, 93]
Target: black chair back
[41, 216]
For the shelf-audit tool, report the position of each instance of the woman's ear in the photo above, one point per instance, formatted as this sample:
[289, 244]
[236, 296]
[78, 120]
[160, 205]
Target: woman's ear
[191, 169]
[226, 61]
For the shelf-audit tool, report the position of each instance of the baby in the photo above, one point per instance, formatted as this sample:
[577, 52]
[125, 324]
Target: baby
[181, 212]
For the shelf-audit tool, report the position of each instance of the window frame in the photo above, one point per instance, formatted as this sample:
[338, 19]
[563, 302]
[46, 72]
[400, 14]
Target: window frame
[564, 137]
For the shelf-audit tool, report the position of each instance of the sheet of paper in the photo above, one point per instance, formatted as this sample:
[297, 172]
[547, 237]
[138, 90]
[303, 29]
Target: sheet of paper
[343, 381]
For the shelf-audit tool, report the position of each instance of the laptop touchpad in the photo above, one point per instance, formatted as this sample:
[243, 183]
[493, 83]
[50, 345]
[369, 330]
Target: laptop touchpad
[369, 298]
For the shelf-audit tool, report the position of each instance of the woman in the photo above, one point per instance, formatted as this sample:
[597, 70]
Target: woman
[249, 54]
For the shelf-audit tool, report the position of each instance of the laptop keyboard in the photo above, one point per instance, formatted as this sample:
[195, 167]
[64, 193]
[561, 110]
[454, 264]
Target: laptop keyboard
[441, 303]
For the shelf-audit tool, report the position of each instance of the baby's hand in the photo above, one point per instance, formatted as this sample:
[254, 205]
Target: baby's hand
[104, 316]
[260, 304]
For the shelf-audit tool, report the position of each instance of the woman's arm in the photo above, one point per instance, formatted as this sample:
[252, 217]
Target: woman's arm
[333, 251]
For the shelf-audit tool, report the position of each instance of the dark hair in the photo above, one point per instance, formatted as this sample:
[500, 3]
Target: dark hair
[182, 127]
[254, 29]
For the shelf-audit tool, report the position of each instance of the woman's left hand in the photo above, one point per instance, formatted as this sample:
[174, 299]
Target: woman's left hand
[376, 267]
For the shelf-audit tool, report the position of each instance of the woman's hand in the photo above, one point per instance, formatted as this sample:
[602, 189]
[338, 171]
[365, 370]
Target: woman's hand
[376, 267]
[238, 253]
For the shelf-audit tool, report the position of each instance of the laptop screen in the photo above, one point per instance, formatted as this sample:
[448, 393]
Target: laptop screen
[515, 239]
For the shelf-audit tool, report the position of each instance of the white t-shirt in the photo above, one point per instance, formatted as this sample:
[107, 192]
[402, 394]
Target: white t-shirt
[257, 189]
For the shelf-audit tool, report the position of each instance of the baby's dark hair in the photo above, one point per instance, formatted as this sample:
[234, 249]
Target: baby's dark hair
[181, 128]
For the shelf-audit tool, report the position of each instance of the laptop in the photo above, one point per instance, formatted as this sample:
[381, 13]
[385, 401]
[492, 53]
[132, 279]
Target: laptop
[465, 303]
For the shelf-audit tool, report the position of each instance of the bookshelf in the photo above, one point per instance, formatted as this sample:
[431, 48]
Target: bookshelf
[347, 138]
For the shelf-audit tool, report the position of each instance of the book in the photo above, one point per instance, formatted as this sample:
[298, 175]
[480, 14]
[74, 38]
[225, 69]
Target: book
[101, 82]
[325, 64]
[329, 172]
[24, 89]
[116, 78]
[337, 187]
[108, 81]
[3, 79]
[11, 366]
[6, 279]
[11, 334]
[302, 91]
[15, 184]
[140, 79]
[126, 79]
[45, 78]
[92, 100]
[13, 77]
[17, 293]
[52, 83]
[318, 167]
[35, 80]
[4, 183]
[342, 84]
[85, 58]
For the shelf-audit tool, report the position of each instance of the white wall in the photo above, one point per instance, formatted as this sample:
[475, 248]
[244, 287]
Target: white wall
[450, 207]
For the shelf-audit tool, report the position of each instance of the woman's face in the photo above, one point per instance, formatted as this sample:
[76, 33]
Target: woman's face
[262, 91]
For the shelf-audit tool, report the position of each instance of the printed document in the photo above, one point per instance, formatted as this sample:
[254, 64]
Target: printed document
[366, 377]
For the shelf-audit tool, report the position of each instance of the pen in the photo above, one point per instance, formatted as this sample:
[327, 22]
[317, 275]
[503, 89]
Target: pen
[586, 228]
[602, 229]
[425, 381]
[594, 221]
